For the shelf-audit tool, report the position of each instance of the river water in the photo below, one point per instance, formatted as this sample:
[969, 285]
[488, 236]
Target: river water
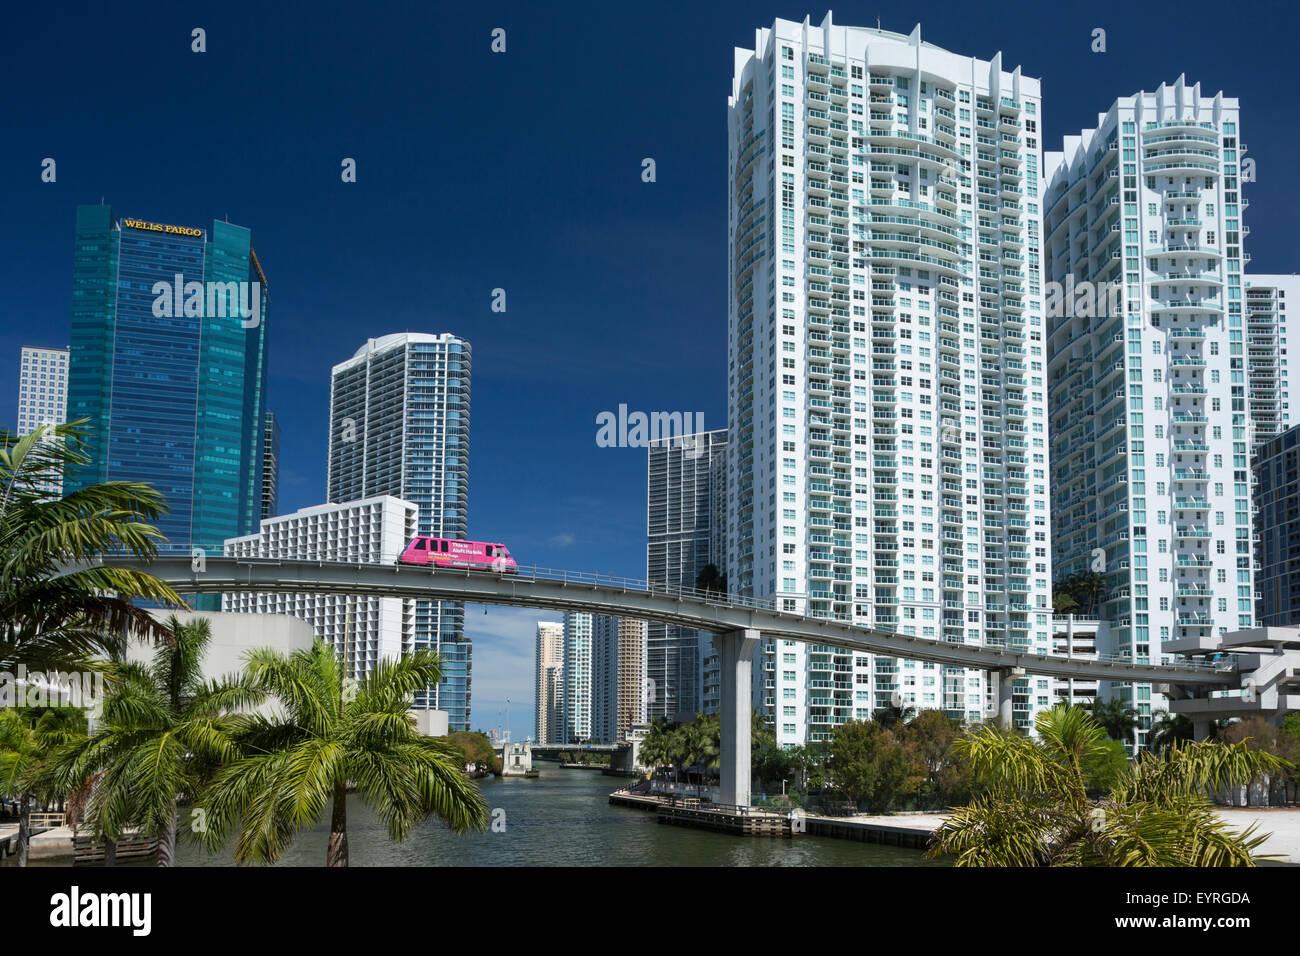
[563, 818]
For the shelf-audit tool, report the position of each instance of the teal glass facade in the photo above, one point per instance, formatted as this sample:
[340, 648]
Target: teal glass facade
[176, 400]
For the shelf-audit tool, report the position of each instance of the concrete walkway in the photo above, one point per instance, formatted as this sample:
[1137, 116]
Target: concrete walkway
[1282, 823]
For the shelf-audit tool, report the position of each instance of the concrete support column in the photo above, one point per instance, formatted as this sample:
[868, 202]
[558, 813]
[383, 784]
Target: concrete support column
[1069, 652]
[1201, 729]
[736, 662]
[1006, 718]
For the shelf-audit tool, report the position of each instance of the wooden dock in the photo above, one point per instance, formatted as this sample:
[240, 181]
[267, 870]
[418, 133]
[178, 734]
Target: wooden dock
[705, 815]
[9, 840]
[54, 842]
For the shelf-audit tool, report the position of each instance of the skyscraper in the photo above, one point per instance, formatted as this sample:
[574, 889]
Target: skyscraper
[399, 425]
[1277, 497]
[270, 466]
[684, 532]
[549, 681]
[1150, 424]
[576, 723]
[1271, 329]
[42, 394]
[168, 361]
[618, 677]
[887, 456]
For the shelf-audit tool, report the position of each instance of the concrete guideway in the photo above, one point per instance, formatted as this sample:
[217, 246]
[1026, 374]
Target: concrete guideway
[737, 623]
[559, 590]
[1268, 677]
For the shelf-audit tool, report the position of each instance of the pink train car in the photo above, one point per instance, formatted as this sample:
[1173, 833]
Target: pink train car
[453, 553]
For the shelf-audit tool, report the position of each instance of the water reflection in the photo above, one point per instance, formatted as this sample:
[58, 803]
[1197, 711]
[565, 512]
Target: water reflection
[564, 819]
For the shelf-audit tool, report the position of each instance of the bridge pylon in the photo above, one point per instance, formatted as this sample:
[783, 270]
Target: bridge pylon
[736, 656]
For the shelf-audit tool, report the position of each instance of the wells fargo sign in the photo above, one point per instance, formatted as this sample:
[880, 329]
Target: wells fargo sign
[161, 227]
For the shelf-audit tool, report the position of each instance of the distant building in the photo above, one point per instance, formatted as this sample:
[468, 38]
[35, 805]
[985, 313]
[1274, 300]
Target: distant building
[576, 724]
[1277, 502]
[619, 682]
[363, 629]
[549, 681]
[42, 394]
[271, 467]
[1271, 329]
[602, 678]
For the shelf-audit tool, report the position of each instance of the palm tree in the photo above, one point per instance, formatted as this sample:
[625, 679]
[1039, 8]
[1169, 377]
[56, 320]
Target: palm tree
[1035, 810]
[164, 731]
[711, 580]
[1089, 588]
[690, 748]
[891, 715]
[58, 610]
[1078, 593]
[1116, 717]
[23, 752]
[700, 745]
[1063, 602]
[651, 751]
[327, 733]
[1167, 729]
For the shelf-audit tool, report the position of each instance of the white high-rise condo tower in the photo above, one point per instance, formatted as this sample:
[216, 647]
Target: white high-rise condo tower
[550, 681]
[887, 453]
[1150, 427]
[576, 708]
[399, 425]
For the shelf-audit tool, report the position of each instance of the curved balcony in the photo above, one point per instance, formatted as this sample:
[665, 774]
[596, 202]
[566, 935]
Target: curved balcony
[1180, 250]
[1180, 166]
[1183, 306]
[1186, 278]
[1181, 150]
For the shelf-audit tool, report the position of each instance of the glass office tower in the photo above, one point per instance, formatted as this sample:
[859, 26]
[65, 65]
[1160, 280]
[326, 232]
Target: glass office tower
[683, 535]
[174, 386]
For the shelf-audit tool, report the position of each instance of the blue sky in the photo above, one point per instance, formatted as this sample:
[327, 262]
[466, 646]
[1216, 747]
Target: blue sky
[519, 171]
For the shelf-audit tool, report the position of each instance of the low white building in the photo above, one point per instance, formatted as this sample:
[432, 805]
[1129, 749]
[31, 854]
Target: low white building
[233, 636]
[365, 629]
[1077, 637]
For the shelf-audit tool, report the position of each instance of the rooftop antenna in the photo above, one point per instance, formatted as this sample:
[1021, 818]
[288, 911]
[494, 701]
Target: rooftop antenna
[877, 21]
